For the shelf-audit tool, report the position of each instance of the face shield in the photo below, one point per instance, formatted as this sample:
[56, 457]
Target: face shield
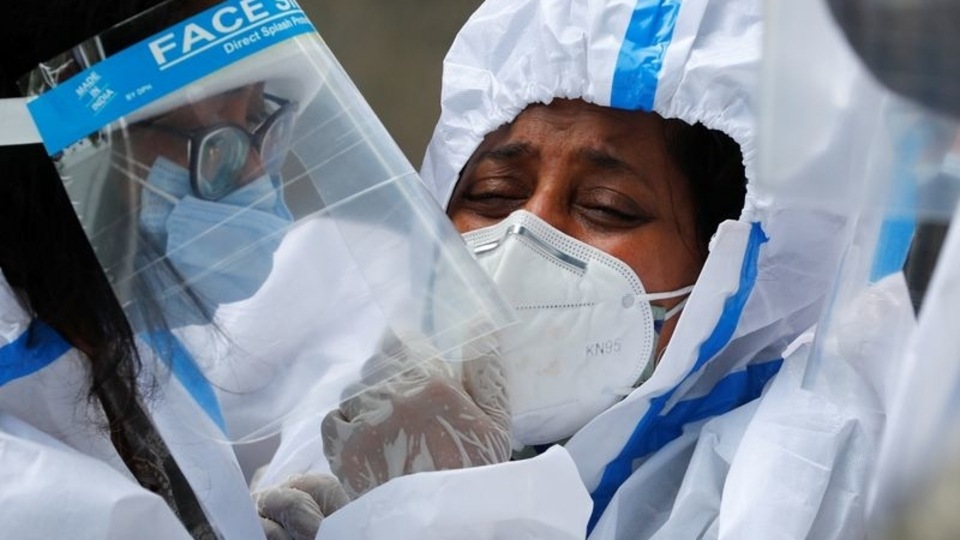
[257, 223]
[899, 194]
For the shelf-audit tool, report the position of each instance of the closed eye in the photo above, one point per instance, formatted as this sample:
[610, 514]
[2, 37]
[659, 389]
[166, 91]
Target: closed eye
[609, 208]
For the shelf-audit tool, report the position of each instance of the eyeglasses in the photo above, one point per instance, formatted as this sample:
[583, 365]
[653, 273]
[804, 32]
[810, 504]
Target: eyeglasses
[218, 153]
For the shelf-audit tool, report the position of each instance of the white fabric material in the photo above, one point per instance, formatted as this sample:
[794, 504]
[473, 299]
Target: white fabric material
[50, 490]
[922, 439]
[793, 464]
[297, 346]
[54, 446]
[536, 498]
[349, 323]
[587, 331]
[16, 124]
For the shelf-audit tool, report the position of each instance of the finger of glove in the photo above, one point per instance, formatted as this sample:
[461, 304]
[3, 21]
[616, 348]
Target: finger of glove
[364, 455]
[273, 531]
[325, 489]
[392, 357]
[376, 403]
[335, 430]
[485, 381]
[348, 448]
[292, 509]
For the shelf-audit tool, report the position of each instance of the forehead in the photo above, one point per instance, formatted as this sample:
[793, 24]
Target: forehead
[575, 123]
[232, 105]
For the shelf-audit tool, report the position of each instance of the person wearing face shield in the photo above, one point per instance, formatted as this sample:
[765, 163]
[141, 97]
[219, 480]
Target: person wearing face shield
[594, 154]
[87, 450]
[213, 186]
[95, 441]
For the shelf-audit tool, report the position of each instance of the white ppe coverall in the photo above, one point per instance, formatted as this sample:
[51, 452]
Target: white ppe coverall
[744, 430]
[60, 475]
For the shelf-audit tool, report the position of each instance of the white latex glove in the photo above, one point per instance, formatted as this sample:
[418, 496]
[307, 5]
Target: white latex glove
[293, 510]
[429, 415]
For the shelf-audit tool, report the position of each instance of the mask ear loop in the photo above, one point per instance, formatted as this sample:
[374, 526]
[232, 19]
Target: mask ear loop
[17, 127]
[672, 312]
[667, 315]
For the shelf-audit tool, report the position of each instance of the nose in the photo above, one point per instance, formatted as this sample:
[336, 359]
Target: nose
[552, 202]
[236, 109]
[252, 168]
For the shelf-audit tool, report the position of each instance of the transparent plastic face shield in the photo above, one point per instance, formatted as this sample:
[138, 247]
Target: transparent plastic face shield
[834, 140]
[855, 125]
[256, 221]
[908, 46]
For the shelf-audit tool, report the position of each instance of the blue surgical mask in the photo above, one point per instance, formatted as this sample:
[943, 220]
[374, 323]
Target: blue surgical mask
[222, 249]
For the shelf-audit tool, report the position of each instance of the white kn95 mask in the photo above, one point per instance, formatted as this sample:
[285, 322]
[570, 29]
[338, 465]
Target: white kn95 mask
[587, 332]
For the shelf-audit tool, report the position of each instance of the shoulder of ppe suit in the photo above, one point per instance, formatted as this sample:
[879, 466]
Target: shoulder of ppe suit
[14, 319]
[48, 490]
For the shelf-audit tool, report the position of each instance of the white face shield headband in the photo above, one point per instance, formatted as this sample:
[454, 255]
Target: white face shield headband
[588, 330]
[16, 124]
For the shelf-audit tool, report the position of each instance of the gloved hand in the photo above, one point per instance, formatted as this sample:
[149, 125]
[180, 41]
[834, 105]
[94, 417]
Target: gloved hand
[428, 415]
[294, 509]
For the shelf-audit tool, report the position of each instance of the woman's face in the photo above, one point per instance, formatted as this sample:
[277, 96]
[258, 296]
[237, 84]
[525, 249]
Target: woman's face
[600, 175]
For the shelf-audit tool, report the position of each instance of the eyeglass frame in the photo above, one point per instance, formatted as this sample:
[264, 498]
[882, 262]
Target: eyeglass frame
[196, 137]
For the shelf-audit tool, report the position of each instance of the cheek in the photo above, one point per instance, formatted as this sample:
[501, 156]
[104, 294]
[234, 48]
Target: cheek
[663, 261]
[465, 221]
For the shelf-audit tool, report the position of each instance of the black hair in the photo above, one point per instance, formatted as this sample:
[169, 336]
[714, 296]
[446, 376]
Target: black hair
[713, 164]
[44, 253]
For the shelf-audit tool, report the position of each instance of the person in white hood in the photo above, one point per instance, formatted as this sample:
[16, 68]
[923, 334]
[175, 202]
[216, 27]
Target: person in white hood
[553, 155]
[590, 202]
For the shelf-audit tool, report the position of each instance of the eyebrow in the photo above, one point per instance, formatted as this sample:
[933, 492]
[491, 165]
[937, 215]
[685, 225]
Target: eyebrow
[506, 152]
[607, 161]
[599, 158]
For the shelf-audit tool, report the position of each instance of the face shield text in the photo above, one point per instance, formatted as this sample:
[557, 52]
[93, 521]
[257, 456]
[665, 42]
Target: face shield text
[220, 26]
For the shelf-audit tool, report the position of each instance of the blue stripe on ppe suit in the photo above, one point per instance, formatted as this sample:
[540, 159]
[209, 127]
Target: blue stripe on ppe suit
[641, 55]
[656, 428]
[32, 351]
